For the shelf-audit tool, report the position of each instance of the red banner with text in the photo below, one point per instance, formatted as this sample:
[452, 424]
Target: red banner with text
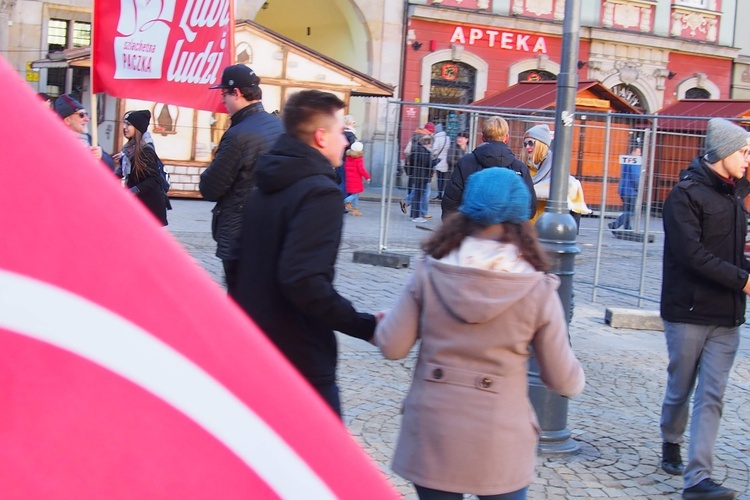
[168, 51]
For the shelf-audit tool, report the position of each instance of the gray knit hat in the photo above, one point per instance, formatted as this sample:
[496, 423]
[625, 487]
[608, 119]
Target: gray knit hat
[724, 138]
[540, 133]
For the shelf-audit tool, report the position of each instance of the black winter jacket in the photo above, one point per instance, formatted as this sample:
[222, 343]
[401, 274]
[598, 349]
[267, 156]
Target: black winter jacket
[704, 267]
[231, 175]
[489, 154]
[420, 164]
[147, 186]
[290, 240]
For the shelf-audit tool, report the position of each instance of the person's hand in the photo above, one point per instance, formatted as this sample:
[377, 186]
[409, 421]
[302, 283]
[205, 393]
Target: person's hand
[96, 151]
[116, 157]
[746, 289]
[380, 315]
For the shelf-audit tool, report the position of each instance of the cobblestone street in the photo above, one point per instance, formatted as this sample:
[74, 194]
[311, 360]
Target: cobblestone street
[615, 420]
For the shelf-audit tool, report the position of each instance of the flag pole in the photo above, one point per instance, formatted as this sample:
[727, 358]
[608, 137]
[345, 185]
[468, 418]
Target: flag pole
[94, 130]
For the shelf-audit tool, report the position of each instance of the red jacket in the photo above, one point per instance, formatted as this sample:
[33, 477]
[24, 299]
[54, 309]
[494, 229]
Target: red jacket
[355, 170]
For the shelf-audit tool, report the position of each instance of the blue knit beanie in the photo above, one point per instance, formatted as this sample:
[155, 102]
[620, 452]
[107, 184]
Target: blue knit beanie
[495, 195]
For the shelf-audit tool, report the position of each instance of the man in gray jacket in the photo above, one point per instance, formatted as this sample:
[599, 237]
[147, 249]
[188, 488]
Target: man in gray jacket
[231, 175]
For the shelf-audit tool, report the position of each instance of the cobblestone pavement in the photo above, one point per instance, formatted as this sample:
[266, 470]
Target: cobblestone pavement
[615, 420]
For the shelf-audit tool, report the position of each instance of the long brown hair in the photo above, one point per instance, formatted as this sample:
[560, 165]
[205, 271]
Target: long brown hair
[457, 226]
[138, 165]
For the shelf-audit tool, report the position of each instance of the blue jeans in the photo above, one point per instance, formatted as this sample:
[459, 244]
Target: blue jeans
[424, 199]
[353, 199]
[419, 194]
[628, 211]
[706, 354]
[430, 494]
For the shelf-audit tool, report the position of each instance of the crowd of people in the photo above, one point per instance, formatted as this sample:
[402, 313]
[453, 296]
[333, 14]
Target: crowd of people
[480, 296]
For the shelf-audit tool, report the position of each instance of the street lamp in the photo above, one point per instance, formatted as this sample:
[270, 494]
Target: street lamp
[557, 231]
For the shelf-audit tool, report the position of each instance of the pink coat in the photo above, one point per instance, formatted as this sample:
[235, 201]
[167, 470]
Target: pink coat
[355, 170]
[468, 425]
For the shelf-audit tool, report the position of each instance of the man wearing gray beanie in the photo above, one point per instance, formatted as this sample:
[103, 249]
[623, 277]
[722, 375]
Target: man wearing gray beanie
[705, 280]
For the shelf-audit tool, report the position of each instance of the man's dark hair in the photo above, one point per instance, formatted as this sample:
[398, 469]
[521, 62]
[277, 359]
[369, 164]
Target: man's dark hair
[253, 93]
[303, 110]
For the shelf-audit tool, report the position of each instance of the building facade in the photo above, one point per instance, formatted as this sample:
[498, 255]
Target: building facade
[650, 52]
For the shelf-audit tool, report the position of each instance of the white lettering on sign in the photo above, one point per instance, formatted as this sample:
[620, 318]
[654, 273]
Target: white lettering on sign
[507, 39]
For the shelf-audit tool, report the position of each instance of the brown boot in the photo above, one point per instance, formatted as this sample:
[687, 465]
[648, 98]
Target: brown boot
[348, 206]
[356, 212]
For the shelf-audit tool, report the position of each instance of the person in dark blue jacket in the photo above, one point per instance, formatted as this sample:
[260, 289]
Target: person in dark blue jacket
[628, 190]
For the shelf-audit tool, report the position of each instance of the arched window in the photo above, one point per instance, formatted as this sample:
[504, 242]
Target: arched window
[536, 75]
[697, 93]
[451, 82]
[632, 95]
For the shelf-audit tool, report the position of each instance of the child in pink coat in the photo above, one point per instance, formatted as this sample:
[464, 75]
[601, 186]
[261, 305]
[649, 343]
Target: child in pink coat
[354, 167]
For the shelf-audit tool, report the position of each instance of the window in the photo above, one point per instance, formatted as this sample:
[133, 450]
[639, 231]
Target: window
[57, 35]
[700, 4]
[697, 93]
[63, 34]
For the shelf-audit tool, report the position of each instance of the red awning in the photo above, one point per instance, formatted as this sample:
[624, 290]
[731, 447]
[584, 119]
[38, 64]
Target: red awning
[701, 109]
[543, 95]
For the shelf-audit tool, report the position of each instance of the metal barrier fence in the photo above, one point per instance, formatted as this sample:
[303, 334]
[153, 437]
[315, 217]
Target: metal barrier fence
[602, 147]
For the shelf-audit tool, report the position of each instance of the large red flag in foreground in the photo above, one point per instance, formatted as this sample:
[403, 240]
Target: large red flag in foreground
[167, 51]
[125, 372]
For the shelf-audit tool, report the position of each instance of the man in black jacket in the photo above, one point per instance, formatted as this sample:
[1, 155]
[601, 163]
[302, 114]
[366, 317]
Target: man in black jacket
[231, 175]
[290, 240]
[494, 152]
[705, 280]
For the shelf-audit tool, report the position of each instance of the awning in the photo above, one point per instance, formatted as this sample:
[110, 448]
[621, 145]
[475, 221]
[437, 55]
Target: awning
[701, 109]
[543, 95]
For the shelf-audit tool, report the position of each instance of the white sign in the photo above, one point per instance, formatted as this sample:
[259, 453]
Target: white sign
[630, 160]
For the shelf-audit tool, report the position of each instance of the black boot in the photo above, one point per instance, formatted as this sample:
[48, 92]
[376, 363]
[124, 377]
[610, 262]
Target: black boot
[671, 462]
[707, 489]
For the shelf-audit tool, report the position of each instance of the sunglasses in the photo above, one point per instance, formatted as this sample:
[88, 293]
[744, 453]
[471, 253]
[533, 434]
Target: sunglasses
[82, 113]
[529, 144]
[227, 92]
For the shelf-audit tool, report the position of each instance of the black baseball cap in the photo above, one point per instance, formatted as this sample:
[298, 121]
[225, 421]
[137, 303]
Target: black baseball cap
[236, 77]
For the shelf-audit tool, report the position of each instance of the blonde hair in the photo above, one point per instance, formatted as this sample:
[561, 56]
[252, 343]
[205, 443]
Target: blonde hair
[537, 156]
[495, 128]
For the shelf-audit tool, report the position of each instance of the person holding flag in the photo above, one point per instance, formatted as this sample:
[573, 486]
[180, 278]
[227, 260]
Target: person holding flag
[76, 118]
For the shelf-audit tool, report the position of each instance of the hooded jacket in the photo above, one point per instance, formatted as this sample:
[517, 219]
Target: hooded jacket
[489, 154]
[231, 175]
[290, 239]
[704, 267]
[468, 425]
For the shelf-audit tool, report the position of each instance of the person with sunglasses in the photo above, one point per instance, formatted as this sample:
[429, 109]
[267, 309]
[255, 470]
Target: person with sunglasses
[77, 120]
[537, 155]
[231, 175]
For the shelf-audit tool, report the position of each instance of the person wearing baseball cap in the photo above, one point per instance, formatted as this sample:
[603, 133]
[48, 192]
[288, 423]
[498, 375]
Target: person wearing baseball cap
[76, 118]
[704, 284]
[231, 175]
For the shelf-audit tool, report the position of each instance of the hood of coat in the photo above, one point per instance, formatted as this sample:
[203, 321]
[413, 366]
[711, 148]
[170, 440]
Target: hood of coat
[477, 296]
[699, 171]
[289, 161]
[494, 154]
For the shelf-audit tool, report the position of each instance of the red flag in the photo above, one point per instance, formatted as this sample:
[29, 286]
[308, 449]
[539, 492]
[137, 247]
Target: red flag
[125, 372]
[167, 51]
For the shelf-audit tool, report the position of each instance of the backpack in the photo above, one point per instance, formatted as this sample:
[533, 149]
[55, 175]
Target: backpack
[163, 174]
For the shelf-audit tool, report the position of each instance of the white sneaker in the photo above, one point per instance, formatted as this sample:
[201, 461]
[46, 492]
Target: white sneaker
[419, 220]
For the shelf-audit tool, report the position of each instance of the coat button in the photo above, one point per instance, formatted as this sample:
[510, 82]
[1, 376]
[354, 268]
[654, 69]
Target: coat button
[437, 373]
[486, 382]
